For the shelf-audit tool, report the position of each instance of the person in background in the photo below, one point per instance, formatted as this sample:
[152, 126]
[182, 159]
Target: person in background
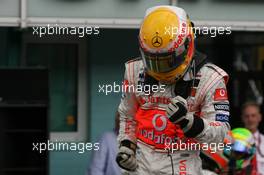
[103, 161]
[237, 158]
[251, 118]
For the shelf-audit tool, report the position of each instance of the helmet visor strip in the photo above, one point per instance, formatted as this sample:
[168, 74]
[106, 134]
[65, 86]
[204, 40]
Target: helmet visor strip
[163, 62]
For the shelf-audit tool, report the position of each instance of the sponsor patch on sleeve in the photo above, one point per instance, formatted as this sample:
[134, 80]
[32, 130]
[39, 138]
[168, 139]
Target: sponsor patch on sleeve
[222, 117]
[220, 94]
[221, 107]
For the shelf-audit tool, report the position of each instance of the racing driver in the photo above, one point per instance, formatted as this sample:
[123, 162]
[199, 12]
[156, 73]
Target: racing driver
[189, 105]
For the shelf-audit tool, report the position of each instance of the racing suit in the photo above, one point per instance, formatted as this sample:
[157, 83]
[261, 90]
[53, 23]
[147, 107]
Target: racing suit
[143, 120]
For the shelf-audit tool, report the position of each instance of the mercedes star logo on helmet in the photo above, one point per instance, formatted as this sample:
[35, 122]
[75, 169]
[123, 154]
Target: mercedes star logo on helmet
[156, 41]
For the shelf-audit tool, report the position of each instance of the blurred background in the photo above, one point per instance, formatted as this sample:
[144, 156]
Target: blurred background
[60, 100]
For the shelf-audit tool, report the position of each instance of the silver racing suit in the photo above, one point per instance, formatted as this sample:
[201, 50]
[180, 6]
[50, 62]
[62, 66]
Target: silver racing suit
[143, 120]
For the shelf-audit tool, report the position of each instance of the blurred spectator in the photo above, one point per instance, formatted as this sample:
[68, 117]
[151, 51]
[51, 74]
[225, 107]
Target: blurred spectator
[103, 161]
[251, 118]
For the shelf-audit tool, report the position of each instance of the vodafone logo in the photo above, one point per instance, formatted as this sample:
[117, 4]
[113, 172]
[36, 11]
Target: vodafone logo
[220, 94]
[159, 122]
[180, 36]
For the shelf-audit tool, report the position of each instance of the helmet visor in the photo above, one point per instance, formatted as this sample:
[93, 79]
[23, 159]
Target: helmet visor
[240, 150]
[163, 62]
[240, 146]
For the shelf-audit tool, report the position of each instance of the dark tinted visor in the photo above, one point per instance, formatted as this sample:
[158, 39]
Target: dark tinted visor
[162, 62]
